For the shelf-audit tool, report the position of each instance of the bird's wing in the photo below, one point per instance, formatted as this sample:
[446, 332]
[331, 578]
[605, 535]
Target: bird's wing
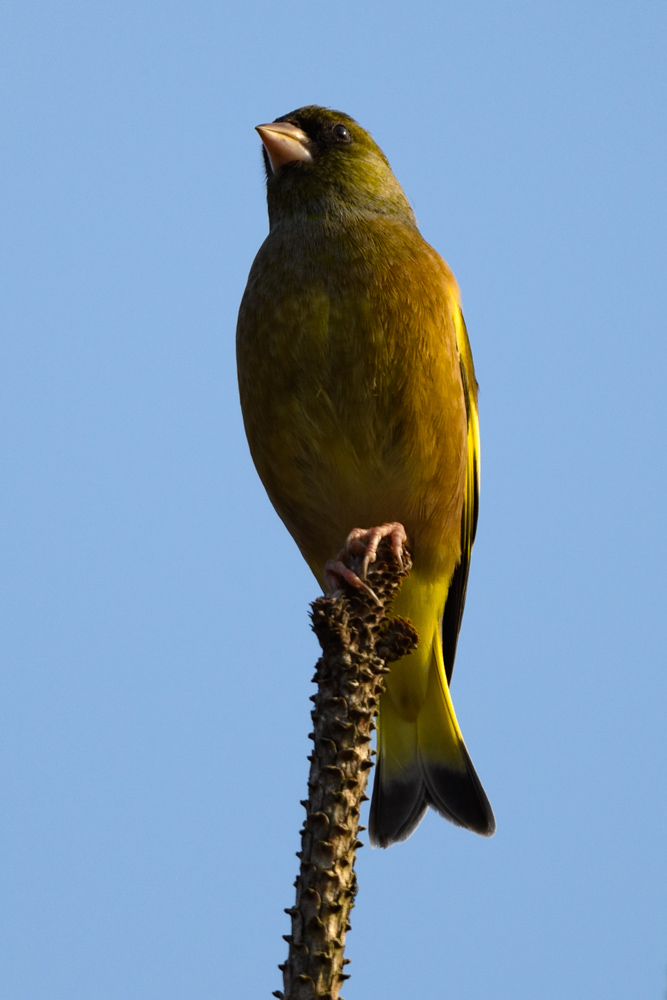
[456, 595]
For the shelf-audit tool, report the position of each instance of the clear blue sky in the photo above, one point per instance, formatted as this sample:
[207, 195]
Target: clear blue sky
[156, 654]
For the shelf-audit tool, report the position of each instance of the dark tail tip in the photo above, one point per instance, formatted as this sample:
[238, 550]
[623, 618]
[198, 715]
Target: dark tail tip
[397, 807]
[459, 796]
[398, 804]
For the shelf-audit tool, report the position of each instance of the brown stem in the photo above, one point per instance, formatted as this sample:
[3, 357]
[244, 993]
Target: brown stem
[358, 640]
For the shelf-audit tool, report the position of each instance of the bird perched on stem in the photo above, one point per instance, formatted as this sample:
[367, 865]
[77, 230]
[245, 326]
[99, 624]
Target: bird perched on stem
[359, 400]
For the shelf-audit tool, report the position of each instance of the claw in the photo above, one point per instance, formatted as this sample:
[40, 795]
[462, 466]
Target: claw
[370, 538]
[336, 568]
[364, 540]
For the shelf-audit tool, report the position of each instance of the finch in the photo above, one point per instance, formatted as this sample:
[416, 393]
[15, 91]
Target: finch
[359, 401]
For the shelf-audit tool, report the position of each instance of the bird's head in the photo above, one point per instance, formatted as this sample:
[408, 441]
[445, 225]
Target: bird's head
[321, 163]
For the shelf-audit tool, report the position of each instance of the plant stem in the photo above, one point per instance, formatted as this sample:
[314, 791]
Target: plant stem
[358, 639]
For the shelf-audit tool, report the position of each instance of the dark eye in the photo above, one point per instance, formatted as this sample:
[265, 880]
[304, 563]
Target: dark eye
[341, 133]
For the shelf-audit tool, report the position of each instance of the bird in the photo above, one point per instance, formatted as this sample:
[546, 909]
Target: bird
[359, 402]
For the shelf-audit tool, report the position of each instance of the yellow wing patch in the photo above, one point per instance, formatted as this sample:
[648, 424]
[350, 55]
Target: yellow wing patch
[456, 595]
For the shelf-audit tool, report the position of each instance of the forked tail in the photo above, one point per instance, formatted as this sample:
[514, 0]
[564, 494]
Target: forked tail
[424, 762]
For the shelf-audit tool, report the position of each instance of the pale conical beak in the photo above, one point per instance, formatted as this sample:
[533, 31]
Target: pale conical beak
[284, 143]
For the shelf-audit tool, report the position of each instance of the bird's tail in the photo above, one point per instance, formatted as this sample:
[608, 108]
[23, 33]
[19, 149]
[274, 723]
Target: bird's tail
[422, 761]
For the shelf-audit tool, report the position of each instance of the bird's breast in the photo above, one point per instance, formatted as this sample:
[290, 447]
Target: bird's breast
[351, 388]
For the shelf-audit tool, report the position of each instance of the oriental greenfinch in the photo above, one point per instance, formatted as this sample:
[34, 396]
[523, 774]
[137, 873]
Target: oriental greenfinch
[359, 401]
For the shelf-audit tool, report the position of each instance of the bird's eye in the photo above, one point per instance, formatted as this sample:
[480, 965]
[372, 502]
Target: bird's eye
[341, 133]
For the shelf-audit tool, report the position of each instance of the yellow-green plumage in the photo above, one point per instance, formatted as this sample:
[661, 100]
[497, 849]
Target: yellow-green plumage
[359, 402]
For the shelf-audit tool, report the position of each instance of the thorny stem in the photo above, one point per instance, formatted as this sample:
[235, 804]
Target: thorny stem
[358, 640]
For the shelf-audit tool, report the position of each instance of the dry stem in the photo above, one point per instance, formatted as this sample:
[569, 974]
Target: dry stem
[358, 640]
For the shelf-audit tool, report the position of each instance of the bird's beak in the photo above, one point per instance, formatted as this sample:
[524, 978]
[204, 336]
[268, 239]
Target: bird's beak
[284, 143]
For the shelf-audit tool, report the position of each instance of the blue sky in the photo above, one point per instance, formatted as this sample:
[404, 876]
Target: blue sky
[156, 651]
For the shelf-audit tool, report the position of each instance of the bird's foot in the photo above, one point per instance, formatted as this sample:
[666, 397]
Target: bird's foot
[364, 541]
